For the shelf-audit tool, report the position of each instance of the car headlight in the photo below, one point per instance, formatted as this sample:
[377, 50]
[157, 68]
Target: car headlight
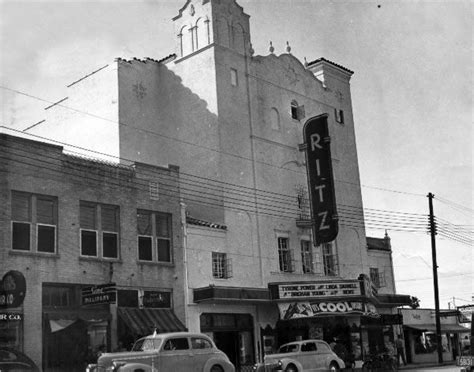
[116, 365]
[91, 367]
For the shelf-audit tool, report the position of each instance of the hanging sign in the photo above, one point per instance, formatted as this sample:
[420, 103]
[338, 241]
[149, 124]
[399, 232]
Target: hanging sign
[99, 294]
[320, 179]
[12, 289]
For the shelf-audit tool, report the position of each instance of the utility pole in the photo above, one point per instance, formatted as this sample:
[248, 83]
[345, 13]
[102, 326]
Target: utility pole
[435, 278]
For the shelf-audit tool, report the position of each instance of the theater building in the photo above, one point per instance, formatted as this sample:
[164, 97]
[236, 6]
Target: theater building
[97, 246]
[233, 122]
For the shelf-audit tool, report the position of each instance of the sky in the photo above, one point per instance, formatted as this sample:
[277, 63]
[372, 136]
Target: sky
[411, 97]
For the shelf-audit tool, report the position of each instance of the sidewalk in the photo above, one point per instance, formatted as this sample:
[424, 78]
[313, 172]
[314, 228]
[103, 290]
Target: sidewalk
[451, 363]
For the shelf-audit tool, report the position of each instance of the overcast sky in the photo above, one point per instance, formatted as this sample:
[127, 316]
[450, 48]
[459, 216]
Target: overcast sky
[411, 95]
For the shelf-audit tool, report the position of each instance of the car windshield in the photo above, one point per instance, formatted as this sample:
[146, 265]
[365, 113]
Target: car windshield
[146, 344]
[291, 348]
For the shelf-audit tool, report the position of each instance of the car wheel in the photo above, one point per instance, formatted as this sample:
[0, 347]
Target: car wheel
[333, 367]
[216, 368]
[291, 368]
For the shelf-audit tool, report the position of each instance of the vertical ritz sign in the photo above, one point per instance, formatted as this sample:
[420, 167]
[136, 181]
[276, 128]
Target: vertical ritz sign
[320, 179]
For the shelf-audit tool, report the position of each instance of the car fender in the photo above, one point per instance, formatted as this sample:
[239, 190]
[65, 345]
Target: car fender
[132, 367]
[286, 361]
[227, 366]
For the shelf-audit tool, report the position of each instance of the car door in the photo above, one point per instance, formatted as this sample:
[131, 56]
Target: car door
[323, 356]
[308, 357]
[176, 355]
[202, 350]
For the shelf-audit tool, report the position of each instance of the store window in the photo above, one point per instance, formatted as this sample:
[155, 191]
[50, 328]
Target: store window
[154, 236]
[425, 343]
[34, 222]
[99, 229]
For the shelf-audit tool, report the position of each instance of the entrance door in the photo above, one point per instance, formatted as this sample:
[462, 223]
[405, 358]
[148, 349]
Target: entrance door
[228, 342]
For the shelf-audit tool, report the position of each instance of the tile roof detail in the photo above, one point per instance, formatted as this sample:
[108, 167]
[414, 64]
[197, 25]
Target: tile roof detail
[195, 221]
[322, 59]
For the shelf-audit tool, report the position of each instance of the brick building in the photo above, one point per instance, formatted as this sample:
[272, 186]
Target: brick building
[100, 247]
[233, 122]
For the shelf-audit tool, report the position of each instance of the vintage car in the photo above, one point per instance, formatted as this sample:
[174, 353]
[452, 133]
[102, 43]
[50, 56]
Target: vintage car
[302, 356]
[178, 351]
[14, 360]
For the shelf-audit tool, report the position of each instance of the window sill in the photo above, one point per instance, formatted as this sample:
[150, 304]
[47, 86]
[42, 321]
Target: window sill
[34, 254]
[100, 259]
[154, 263]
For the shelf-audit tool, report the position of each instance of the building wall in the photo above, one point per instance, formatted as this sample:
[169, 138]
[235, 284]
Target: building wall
[39, 168]
[88, 118]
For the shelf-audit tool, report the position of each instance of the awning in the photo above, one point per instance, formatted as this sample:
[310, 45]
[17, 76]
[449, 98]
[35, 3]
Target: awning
[445, 328]
[232, 294]
[144, 321]
[60, 324]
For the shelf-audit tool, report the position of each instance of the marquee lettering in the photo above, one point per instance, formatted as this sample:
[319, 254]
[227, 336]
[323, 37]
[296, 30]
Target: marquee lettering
[320, 179]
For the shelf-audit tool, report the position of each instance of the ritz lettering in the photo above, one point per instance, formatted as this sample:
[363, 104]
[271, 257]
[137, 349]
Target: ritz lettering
[320, 188]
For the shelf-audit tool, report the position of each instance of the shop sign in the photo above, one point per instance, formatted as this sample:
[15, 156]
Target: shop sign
[12, 289]
[99, 294]
[11, 317]
[308, 309]
[311, 290]
[320, 179]
[157, 299]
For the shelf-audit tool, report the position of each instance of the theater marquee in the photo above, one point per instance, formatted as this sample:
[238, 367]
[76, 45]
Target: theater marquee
[320, 179]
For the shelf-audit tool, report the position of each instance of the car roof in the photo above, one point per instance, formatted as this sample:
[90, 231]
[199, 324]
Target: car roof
[176, 334]
[303, 341]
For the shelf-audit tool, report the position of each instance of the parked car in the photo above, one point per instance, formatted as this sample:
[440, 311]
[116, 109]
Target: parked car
[12, 360]
[178, 351]
[302, 356]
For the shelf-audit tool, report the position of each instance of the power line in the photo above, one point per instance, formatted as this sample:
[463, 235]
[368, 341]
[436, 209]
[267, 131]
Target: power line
[189, 143]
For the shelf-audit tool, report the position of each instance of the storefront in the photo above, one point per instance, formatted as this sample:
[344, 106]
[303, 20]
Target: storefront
[347, 314]
[82, 321]
[230, 317]
[419, 326]
[12, 294]
[140, 312]
[80, 330]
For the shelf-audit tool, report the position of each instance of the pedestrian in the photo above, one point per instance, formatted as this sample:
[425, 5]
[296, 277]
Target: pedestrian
[400, 350]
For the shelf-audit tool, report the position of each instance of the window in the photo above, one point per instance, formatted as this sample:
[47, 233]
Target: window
[221, 266]
[308, 346]
[154, 235]
[57, 296]
[234, 77]
[200, 343]
[329, 260]
[176, 344]
[339, 115]
[274, 119]
[297, 111]
[377, 277]
[284, 255]
[99, 226]
[306, 256]
[34, 212]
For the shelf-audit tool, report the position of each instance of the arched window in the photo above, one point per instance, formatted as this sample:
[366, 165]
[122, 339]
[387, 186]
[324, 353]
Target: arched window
[274, 119]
